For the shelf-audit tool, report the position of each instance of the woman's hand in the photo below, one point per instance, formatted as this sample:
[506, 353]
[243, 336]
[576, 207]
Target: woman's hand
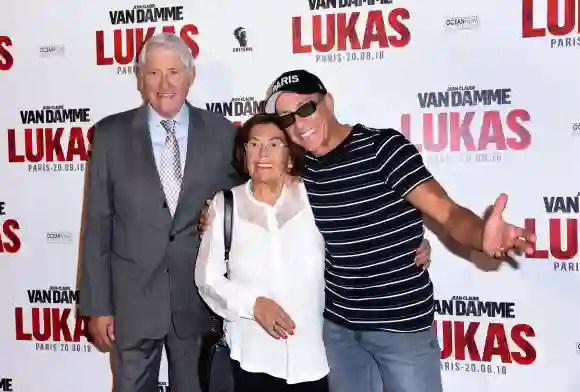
[273, 318]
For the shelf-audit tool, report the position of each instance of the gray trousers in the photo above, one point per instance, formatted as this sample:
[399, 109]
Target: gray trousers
[136, 368]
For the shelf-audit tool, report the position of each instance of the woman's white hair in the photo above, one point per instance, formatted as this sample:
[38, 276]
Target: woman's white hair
[167, 41]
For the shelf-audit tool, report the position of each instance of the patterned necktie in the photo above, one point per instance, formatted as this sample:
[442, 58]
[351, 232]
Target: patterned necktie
[170, 166]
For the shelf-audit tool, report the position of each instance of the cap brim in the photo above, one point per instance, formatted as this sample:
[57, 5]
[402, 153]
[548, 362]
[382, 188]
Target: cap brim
[271, 103]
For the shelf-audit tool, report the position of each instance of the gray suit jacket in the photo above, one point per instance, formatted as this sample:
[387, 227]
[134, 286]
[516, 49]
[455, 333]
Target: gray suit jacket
[137, 262]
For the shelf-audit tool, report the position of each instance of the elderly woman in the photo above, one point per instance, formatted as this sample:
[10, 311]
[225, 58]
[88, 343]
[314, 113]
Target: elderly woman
[272, 299]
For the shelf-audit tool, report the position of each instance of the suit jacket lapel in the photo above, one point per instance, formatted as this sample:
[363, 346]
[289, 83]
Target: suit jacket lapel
[194, 162]
[144, 149]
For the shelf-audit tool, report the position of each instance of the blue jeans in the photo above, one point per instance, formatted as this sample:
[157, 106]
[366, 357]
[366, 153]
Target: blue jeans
[407, 362]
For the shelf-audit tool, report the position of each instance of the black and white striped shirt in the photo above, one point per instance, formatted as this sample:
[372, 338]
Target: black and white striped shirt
[371, 232]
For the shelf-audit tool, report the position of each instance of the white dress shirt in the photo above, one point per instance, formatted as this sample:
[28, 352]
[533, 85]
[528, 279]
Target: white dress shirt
[277, 252]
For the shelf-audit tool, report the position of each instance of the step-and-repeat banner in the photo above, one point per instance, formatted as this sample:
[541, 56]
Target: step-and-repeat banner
[488, 90]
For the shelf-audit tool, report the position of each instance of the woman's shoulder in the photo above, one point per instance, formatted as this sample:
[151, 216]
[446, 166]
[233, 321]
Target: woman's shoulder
[217, 203]
[239, 189]
[235, 190]
[298, 186]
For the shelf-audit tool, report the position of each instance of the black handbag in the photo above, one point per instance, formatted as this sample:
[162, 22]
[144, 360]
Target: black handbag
[214, 370]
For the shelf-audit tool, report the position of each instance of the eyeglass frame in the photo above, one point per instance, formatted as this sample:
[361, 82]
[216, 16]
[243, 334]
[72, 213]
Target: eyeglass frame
[280, 145]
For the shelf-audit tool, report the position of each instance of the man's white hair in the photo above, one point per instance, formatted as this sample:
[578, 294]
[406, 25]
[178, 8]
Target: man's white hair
[167, 41]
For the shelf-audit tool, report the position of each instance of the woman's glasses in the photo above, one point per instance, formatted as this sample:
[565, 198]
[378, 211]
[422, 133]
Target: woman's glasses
[270, 146]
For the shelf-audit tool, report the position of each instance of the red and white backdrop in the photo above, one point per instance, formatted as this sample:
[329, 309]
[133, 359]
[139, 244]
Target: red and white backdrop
[489, 91]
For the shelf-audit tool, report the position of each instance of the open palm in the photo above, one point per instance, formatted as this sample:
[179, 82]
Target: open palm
[500, 237]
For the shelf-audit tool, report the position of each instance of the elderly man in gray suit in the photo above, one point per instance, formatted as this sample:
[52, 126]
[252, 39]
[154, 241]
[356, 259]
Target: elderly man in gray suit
[151, 170]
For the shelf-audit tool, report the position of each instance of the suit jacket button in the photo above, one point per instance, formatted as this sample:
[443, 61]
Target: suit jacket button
[171, 238]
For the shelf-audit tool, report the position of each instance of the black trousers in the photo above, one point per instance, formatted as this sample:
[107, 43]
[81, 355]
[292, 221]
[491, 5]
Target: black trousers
[259, 382]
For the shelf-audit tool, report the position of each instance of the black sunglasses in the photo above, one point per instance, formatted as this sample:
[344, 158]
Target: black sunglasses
[307, 108]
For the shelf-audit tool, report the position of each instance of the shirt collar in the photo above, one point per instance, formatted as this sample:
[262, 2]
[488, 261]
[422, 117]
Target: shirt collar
[181, 118]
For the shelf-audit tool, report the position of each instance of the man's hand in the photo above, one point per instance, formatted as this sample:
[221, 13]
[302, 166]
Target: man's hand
[423, 256]
[491, 235]
[102, 330]
[500, 237]
[205, 218]
[273, 318]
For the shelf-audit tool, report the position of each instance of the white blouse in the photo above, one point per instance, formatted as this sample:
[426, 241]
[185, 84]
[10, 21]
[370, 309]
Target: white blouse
[277, 252]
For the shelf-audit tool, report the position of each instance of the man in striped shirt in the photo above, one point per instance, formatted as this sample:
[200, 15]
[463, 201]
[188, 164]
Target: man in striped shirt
[368, 189]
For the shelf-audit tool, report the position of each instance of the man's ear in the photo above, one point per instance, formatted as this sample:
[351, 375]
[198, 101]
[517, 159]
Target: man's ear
[192, 75]
[329, 102]
[140, 83]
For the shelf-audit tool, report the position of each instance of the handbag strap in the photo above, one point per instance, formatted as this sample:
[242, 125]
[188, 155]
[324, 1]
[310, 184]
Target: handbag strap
[228, 224]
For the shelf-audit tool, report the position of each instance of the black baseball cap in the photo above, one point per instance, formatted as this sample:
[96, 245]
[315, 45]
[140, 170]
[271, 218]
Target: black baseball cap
[297, 81]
